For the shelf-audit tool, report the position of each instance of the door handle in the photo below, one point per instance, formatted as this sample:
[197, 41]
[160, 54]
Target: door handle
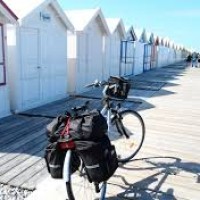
[38, 67]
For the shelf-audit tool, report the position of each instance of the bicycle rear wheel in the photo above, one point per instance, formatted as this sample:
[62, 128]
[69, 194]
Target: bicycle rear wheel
[127, 134]
[79, 187]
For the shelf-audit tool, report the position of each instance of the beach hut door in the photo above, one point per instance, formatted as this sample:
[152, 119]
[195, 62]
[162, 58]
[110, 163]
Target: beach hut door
[30, 66]
[127, 54]
[147, 57]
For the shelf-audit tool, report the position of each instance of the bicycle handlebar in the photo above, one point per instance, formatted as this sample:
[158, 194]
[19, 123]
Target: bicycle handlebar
[81, 108]
[106, 85]
[97, 83]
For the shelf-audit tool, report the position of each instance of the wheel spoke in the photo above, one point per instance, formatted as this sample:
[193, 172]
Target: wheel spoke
[133, 125]
[83, 189]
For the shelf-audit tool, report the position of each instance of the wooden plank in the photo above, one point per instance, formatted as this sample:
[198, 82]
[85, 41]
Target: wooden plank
[153, 182]
[33, 181]
[56, 110]
[15, 171]
[26, 148]
[13, 124]
[29, 123]
[9, 165]
[17, 146]
[158, 150]
[11, 138]
[28, 173]
[12, 119]
[22, 126]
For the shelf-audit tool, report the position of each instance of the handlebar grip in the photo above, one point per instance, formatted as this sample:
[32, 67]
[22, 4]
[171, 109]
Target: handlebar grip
[89, 85]
[97, 84]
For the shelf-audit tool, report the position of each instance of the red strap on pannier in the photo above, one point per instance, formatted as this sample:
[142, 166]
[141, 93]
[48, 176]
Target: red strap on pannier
[67, 144]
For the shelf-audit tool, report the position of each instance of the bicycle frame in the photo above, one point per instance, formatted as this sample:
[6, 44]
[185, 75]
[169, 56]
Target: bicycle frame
[112, 114]
[106, 111]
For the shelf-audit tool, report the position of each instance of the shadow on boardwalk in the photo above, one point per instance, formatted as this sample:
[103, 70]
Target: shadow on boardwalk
[151, 187]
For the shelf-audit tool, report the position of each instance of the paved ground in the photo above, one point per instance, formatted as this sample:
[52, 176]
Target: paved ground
[168, 166]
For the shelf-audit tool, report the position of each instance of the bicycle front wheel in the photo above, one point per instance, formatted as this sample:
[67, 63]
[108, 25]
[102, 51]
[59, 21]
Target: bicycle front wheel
[79, 187]
[127, 134]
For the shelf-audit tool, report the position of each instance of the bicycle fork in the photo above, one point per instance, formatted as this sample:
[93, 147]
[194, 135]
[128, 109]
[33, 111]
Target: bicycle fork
[66, 167]
[113, 115]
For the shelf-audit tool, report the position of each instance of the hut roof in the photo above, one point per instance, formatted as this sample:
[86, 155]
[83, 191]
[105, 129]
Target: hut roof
[82, 18]
[141, 35]
[130, 32]
[22, 8]
[7, 13]
[114, 24]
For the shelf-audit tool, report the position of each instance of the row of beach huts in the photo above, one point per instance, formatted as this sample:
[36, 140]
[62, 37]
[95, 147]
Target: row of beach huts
[47, 53]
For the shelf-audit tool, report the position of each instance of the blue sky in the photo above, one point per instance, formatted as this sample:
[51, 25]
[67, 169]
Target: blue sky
[177, 19]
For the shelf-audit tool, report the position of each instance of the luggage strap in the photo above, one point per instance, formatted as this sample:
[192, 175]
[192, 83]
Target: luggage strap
[66, 143]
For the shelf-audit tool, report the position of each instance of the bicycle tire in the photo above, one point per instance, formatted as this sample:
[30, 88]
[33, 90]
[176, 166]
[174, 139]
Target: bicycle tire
[79, 187]
[132, 123]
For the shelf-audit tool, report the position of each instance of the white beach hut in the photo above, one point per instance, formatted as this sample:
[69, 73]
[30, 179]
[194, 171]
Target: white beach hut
[147, 50]
[128, 53]
[172, 53]
[132, 52]
[182, 52]
[86, 57]
[37, 49]
[154, 51]
[157, 44]
[113, 49]
[6, 17]
[162, 53]
[139, 52]
[177, 53]
[167, 51]
[175, 50]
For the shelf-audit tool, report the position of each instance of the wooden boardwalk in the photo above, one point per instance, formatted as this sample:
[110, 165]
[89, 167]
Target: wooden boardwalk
[168, 166]
[23, 140]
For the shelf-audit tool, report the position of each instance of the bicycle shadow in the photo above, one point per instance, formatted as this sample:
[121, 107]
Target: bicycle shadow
[150, 187]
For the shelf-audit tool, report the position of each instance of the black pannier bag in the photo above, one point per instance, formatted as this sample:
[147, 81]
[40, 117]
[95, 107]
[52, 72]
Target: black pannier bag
[54, 157]
[88, 132]
[99, 158]
[122, 89]
[55, 128]
[54, 154]
[90, 125]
